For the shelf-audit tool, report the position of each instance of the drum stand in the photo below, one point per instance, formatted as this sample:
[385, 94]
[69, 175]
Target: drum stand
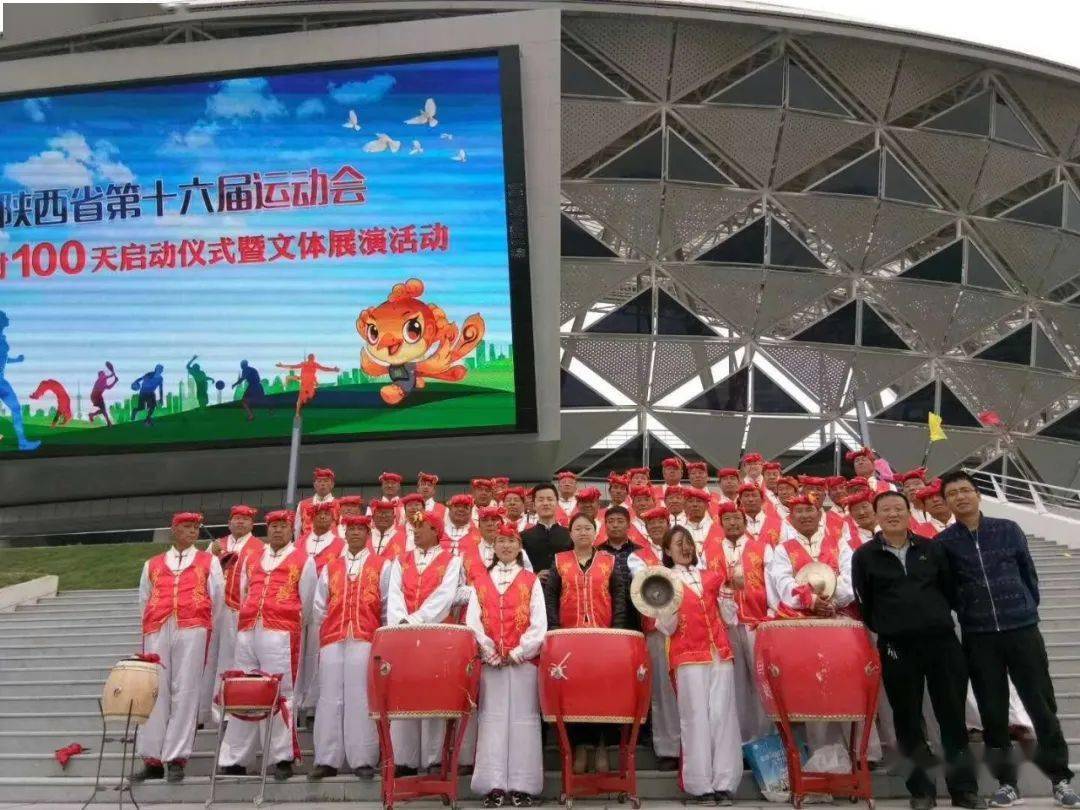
[226, 718]
[623, 781]
[124, 786]
[445, 783]
[855, 785]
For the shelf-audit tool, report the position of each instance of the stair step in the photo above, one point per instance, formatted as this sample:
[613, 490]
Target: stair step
[1062, 622]
[45, 742]
[105, 660]
[45, 688]
[11, 640]
[1067, 702]
[64, 609]
[68, 652]
[24, 673]
[9, 623]
[84, 702]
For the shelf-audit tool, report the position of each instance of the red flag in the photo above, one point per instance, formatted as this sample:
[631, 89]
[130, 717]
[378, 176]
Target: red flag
[990, 419]
[63, 755]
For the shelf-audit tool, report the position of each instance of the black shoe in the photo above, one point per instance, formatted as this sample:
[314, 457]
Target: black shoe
[174, 773]
[321, 772]
[519, 799]
[234, 770]
[283, 771]
[149, 772]
[724, 798]
[667, 763]
[972, 801]
[704, 798]
[404, 770]
[922, 802]
[496, 798]
[364, 772]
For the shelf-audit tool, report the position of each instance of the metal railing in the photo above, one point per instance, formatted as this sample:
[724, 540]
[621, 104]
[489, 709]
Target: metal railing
[1044, 498]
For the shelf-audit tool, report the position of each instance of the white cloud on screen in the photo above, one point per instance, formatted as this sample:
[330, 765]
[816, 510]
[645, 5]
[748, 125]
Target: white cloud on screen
[310, 108]
[366, 92]
[35, 108]
[70, 162]
[244, 98]
[198, 138]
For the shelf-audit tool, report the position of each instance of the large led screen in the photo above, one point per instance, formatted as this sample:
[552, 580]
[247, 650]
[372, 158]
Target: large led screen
[188, 262]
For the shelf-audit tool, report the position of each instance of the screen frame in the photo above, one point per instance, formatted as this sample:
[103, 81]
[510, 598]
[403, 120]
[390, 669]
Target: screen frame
[519, 268]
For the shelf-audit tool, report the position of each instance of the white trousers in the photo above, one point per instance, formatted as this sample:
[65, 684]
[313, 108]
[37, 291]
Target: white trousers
[307, 690]
[665, 709]
[1018, 715]
[169, 733]
[709, 726]
[509, 747]
[417, 743]
[344, 731]
[266, 650]
[225, 649]
[752, 720]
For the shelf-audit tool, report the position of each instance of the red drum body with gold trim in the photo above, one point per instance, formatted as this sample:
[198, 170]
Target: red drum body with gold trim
[423, 670]
[594, 675]
[816, 669]
[251, 696]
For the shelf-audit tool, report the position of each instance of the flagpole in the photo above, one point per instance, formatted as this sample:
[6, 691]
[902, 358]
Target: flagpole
[294, 459]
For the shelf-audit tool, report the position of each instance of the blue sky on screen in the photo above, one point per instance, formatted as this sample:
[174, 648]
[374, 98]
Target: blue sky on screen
[265, 313]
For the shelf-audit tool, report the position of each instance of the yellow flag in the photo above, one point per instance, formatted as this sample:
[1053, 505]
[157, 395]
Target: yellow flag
[936, 433]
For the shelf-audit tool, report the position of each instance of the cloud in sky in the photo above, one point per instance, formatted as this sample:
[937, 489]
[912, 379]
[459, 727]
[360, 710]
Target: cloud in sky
[35, 108]
[197, 139]
[311, 108]
[244, 98]
[366, 92]
[70, 162]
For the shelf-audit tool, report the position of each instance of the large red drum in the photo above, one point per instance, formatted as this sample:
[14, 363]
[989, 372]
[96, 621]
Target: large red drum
[821, 669]
[423, 670]
[251, 695]
[594, 675]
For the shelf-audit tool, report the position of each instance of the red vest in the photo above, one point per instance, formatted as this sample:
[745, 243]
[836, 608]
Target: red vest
[185, 596]
[799, 556]
[926, 529]
[585, 600]
[751, 598]
[770, 529]
[712, 549]
[468, 540]
[395, 546]
[417, 587]
[331, 552]
[252, 548]
[701, 630]
[274, 600]
[505, 616]
[306, 514]
[353, 605]
[649, 557]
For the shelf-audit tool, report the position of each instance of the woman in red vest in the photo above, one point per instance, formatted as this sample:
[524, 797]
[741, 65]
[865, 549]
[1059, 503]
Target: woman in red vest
[350, 603]
[181, 593]
[585, 588]
[701, 665]
[508, 615]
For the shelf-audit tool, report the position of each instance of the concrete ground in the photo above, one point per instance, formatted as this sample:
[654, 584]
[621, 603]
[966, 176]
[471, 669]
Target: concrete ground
[885, 804]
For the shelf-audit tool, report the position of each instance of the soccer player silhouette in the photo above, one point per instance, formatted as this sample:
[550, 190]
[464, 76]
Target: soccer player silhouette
[106, 379]
[7, 393]
[151, 388]
[201, 380]
[308, 377]
[254, 393]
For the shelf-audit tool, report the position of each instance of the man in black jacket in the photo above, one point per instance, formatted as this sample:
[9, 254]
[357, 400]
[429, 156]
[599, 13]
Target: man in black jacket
[903, 582]
[997, 603]
[548, 537]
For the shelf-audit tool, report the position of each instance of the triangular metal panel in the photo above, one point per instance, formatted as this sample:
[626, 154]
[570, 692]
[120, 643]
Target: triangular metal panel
[788, 293]
[716, 437]
[897, 226]
[586, 281]
[746, 136]
[622, 362]
[953, 161]
[732, 293]
[702, 50]
[1042, 390]
[976, 311]
[773, 435]
[582, 429]
[872, 371]
[1064, 319]
[926, 307]
[902, 445]
[588, 125]
[843, 222]
[960, 445]
[823, 371]
[923, 75]
[808, 139]
[1006, 168]
[679, 360]
[866, 69]
[631, 209]
[1042, 258]
[1052, 105]
[638, 45]
[1055, 462]
[691, 213]
[983, 386]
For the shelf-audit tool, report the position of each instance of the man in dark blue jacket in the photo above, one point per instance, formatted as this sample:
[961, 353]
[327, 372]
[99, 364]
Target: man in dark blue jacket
[997, 603]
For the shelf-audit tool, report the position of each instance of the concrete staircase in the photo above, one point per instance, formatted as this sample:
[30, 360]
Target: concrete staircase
[54, 657]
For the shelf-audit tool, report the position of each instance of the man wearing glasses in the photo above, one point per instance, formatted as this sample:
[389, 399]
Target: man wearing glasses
[997, 603]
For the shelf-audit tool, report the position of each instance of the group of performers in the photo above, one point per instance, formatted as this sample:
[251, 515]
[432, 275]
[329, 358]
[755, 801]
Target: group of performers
[306, 600]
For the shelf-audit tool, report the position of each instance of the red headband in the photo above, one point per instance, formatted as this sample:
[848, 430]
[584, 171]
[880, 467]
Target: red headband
[854, 454]
[350, 500]
[791, 482]
[323, 472]
[325, 506]
[673, 462]
[675, 490]
[461, 499]
[858, 497]
[725, 472]
[638, 471]
[725, 508]
[430, 519]
[181, 518]
[280, 516]
[508, 530]
[356, 520]
[588, 495]
[813, 481]
[834, 481]
[519, 491]
[480, 483]
[697, 494]
[771, 465]
[858, 482]
[427, 478]
[242, 511]
[929, 490]
[919, 474]
[412, 497]
[752, 458]
[502, 479]
[657, 513]
[383, 505]
[390, 476]
[803, 500]
[697, 465]
[566, 474]
[641, 492]
[748, 488]
[490, 513]
[615, 478]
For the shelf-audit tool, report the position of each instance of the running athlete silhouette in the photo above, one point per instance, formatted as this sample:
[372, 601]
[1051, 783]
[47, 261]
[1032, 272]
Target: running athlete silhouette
[105, 380]
[7, 393]
[309, 378]
[151, 388]
[63, 400]
[201, 381]
[254, 393]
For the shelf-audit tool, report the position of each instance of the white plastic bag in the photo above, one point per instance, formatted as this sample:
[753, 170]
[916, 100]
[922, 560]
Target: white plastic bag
[829, 759]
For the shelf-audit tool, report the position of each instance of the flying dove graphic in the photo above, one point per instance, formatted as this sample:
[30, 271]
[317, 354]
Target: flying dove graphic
[426, 116]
